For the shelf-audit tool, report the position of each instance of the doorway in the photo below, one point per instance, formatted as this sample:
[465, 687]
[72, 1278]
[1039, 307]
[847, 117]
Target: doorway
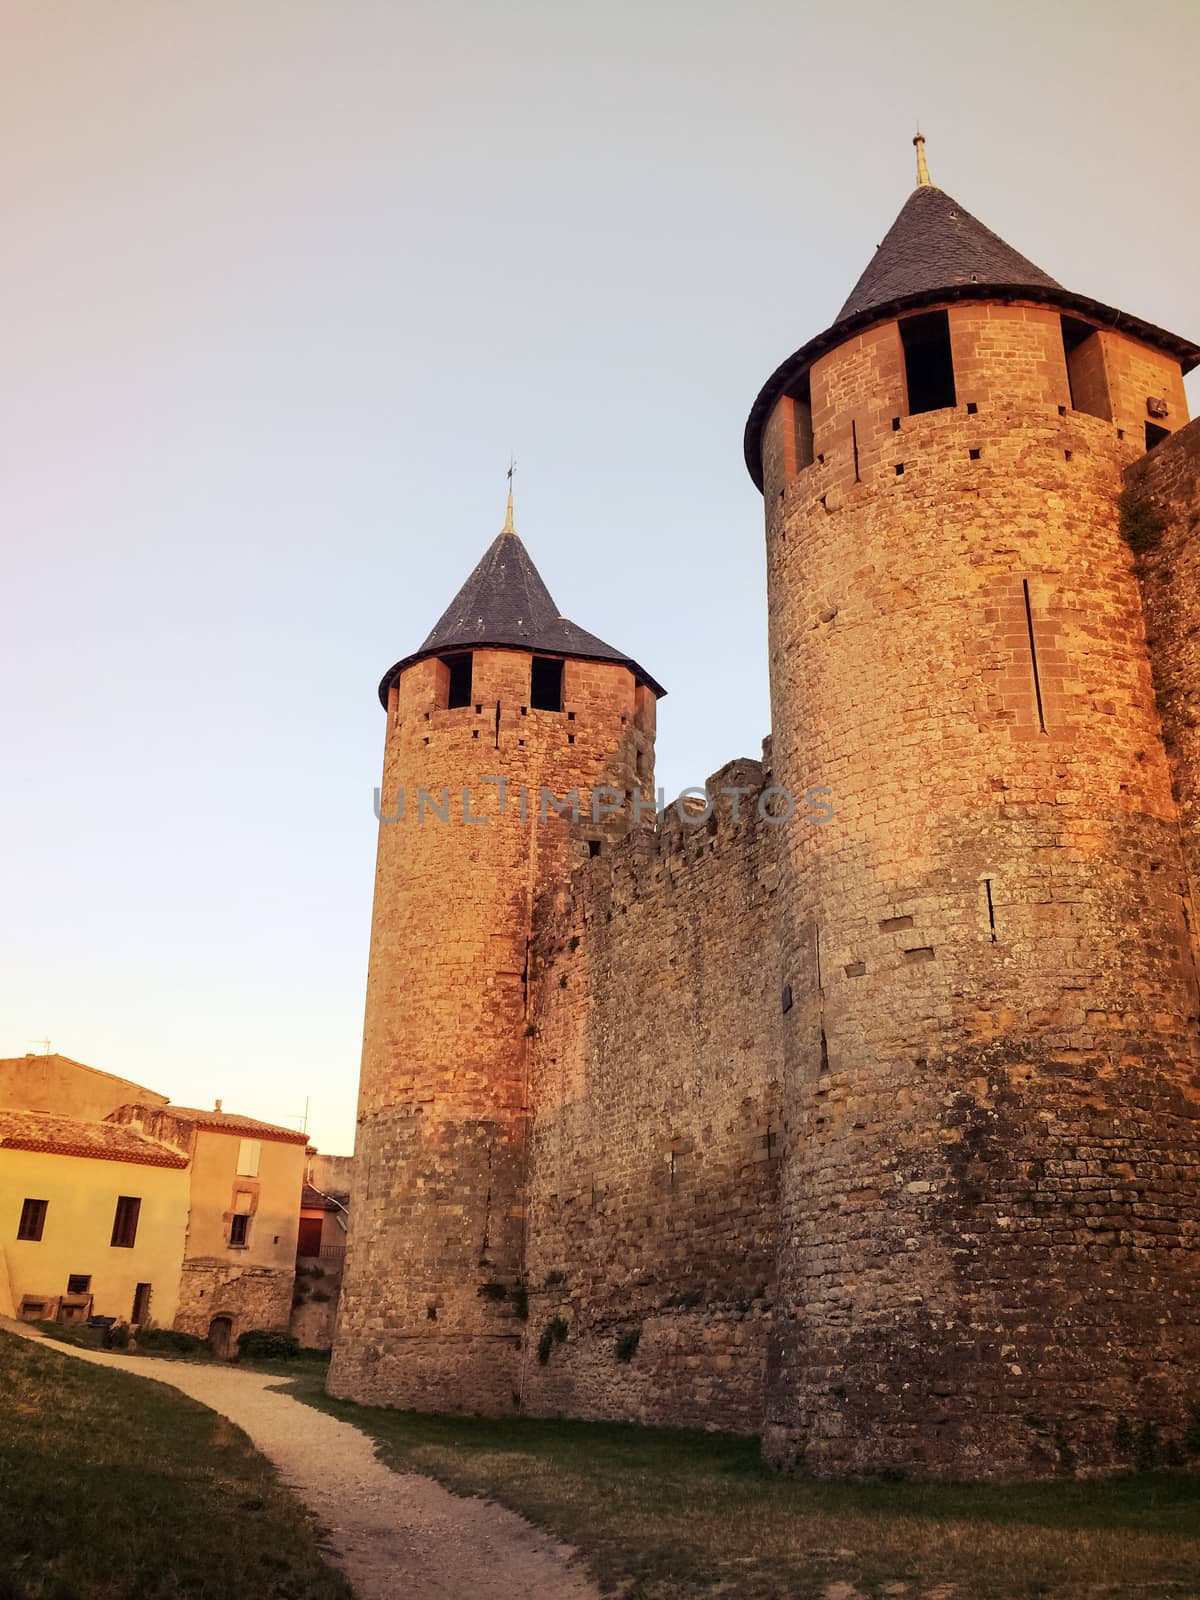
[220, 1337]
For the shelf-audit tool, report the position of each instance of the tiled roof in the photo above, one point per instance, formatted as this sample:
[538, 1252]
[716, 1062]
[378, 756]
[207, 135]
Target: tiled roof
[505, 602]
[315, 1200]
[231, 1122]
[103, 1141]
[937, 244]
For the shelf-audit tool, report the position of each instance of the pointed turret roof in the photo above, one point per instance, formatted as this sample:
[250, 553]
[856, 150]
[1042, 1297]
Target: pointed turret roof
[937, 244]
[935, 252]
[505, 603]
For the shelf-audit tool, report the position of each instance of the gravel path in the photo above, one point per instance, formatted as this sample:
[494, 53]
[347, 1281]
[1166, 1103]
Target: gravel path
[398, 1536]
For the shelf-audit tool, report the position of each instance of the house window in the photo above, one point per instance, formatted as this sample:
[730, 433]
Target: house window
[546, 684]
[33, 1219]
[248, 1153]
[79, 1283]
[125, 1221]
[239, 1230]
[928, 364]
[459, 690]
[141, 1305]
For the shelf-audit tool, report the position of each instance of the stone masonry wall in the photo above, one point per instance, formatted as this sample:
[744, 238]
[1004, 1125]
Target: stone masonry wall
[990, 1180]
[1160, 514]
[436, 1242]
[252, 1297]
[654, 1150]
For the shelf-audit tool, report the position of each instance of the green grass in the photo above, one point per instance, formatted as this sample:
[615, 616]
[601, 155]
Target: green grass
[674, 1514]
[116, 1488]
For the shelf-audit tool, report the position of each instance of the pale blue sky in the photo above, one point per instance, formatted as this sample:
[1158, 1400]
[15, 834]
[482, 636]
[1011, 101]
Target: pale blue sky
[284, 284]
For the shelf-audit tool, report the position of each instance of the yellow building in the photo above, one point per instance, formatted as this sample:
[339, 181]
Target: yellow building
[239, 1256]
[93, 1218]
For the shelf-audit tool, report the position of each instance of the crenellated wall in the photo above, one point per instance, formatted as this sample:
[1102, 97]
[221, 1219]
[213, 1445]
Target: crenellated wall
[654, 1149]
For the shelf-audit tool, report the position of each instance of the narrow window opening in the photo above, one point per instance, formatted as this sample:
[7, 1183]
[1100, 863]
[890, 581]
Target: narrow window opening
[593, 848]
[895, 424]
[474, 733]
[972, 408]
[33, 1219]
[1155, 435]
[787, 998]
[570, 716]
[546, 684]
[1066, 455]
[1037, 681]
[854, 442]
[125, 1222]
[928, 363]
[478, 711]
[899, 469]
[991, 909]
[459, 689]
[141, 1304]
[570, 738]
[802, 426]
[239, 1230]
[79, 1283]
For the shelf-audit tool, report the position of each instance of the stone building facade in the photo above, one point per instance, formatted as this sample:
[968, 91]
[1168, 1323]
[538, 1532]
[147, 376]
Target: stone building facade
[858, 1104]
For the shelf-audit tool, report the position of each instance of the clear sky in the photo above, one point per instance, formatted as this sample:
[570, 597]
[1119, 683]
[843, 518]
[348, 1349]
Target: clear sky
[284, 283]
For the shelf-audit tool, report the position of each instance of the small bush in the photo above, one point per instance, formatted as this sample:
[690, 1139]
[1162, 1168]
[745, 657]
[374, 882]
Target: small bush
[117, 1337]
[258, 1344]
[172, 1339]
[553, 1333]
[627, 1344]
[1140, 524]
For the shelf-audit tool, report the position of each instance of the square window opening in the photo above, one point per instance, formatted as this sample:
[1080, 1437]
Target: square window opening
[546, 684]
[593, 848]
[928, 363]
[1155, 435]
[79, 1283]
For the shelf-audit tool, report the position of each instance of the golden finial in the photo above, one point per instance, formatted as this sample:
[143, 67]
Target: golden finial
[508, 518]
[922, 170]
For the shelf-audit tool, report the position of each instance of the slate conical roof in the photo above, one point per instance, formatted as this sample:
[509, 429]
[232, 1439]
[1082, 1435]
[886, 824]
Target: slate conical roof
[935, 252]
[505, 603]
[937, 244]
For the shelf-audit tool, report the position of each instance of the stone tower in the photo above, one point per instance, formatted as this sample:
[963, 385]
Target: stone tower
[990, 1202]
[503, 711]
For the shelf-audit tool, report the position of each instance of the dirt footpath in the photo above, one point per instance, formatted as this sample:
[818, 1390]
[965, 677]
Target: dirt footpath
[397, 1536]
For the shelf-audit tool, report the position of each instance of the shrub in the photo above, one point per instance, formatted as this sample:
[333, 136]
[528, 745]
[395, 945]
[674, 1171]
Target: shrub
[627, 1344]
[184, 1344]
[553, 1333]
[117, 1337]
[258, 1344]
[1140, 524]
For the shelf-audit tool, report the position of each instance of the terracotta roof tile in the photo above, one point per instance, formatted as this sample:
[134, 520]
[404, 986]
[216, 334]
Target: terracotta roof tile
[232, 1122]
[102, 1141]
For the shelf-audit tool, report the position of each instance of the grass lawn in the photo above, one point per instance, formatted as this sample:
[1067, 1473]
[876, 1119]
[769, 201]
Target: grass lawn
[113, 1488]
[678, 1514]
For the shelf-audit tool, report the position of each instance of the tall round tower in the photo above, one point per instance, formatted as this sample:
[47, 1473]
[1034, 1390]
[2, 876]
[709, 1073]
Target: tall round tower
[991, 1204]
[505, 711]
